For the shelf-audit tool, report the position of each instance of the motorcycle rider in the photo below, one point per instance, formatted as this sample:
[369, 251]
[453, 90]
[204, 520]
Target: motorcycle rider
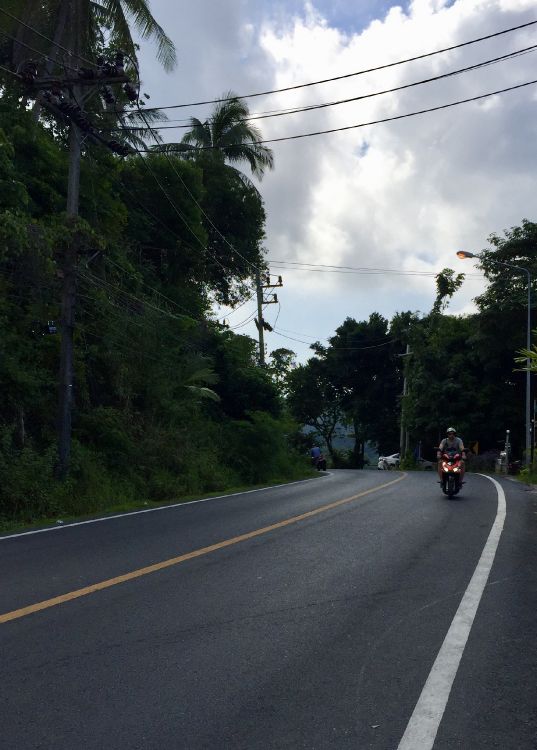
[315, 454]
[451, 443]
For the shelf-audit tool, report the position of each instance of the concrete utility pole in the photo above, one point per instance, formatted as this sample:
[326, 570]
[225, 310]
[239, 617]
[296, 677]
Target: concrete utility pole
[63, 96]
[260, 323]
[403, 437]
[65, 406]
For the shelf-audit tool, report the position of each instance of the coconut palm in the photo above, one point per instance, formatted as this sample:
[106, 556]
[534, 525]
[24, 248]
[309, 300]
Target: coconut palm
[80, 26]
[227, 137]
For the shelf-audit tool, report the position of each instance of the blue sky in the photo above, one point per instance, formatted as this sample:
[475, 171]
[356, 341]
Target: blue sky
[348, 15]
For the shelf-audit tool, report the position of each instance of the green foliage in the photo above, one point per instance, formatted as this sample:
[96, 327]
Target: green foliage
[408, 462]
[314, 400]
[447, 284]
[167, 404]
[460, 369]
[259, 449]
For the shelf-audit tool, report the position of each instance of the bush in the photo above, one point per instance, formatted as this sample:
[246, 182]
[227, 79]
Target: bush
[260, 450]
[408, 461]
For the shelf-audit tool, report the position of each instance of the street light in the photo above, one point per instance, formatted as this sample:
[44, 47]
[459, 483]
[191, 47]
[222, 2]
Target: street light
[462, 254]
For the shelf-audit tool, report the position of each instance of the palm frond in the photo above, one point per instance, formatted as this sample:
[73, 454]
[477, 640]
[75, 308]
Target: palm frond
[146, 25]
[199, 135]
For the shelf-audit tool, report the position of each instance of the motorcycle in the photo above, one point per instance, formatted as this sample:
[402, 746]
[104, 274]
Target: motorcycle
[452, 470]
[319, 463]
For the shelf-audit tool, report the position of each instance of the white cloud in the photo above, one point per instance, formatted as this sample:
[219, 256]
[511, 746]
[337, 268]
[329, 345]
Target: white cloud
[403, 195]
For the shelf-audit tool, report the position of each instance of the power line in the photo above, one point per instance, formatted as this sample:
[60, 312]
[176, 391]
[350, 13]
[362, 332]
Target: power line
[43, 36]
[171, 232]
[193, 198]
[347, 75]
[337, 348]
[11, 72]
[234, 309]
[37, 52]
[325, 105]
[248, 319]
[377, 122]
[178, 212]
[144, 283]
[107, 286]
[322, 268]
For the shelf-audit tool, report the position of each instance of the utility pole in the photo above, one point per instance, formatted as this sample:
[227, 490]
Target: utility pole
[51, 94]
[403, 437]
[68, 304]
[260, 323]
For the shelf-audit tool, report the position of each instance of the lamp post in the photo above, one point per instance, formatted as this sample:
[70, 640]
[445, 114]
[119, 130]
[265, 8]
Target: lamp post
[462, 254]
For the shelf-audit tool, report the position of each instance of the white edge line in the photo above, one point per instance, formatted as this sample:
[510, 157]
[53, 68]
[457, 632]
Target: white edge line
[423, 725]
[63, 526]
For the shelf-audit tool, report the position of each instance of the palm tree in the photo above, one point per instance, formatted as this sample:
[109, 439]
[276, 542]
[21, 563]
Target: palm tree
[80, 26]
[227, 137]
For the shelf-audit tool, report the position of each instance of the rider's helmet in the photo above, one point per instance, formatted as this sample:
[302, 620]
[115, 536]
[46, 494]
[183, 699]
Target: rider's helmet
[451, 429]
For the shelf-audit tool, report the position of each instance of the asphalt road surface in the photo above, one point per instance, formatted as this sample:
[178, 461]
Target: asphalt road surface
[355, 610]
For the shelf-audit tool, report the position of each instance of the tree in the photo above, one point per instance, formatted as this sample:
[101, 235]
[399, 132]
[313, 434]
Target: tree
[233, 207]
[80, 27]
[446, 286]
[283, 362]
[361, 361]
[313, 400]
[227, 137]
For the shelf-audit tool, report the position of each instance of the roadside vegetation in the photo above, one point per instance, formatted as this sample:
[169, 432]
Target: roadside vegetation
[168, 404]
[466, 371]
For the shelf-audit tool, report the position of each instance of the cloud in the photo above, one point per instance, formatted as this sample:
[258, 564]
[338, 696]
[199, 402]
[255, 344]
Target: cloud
[402, 195]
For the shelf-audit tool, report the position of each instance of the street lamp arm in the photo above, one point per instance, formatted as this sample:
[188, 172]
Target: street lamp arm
[463, 254]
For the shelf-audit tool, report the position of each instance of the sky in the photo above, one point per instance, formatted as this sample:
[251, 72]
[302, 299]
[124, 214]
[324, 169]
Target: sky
[402, 196]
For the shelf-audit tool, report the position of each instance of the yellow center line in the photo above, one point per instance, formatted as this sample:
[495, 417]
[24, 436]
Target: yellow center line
[47, 603]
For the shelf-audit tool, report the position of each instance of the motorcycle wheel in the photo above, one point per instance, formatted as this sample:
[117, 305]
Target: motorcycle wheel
[451, 487]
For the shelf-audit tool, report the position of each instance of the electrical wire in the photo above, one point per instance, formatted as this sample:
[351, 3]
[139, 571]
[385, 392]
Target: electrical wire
[43, 36]
[337, 348]
[156, 291]
[322, 268]
[107, 286]
[349, 75]
[313, 107]
[193, 198]
[157, 218]
[384, 119]
[234, 309]
[155, 178]
[11, 72]
[171, 232]
[37, 52]
[244, 322]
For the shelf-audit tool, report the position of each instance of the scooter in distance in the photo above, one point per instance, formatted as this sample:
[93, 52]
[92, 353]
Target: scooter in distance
[319, 463]
[452, 471]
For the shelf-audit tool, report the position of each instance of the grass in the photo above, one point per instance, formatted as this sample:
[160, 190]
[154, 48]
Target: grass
[126, 507]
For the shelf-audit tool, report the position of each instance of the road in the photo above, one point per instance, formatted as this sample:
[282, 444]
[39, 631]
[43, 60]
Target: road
[311, 615]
